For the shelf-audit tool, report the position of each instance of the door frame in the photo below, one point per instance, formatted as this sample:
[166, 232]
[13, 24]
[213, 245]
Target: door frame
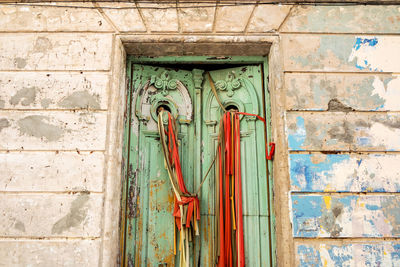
[128, 197]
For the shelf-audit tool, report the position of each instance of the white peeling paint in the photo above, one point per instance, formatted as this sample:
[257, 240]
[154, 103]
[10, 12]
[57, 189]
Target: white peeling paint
[383, 135]
[379, 55]
[390, 93]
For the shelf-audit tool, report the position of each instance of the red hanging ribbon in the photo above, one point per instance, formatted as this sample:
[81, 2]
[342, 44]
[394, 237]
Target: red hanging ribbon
[229, 212]
[191, 201]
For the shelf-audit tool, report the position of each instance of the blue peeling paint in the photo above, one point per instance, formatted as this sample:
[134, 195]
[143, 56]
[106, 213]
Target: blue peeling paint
[341, 256]
[296, 139]
[372, 42]
[396, 253]
[363, 141]
[309, 256]
[365, 41]
[372, 207]
[302, 169]
[373, 255]
[308, 210]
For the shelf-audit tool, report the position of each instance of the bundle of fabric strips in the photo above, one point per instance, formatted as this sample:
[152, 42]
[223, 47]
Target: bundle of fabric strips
[187, 208]
[228, 191]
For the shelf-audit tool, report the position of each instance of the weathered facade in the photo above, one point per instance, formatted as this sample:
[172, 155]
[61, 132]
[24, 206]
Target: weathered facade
[335, 100]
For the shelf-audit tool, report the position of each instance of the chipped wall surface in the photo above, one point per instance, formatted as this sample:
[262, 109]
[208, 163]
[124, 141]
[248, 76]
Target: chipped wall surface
[334, 80]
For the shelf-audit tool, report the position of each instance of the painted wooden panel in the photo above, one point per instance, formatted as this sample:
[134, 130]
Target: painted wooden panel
[55, 51]
[346, 216]
[51, 215]
[51, 171]
[246, 97]
[344, 172]
[43, 130]
[36, 18]
[348, 254]
[343, 131]
[341, 53]
[345, 92]
[49, 253]
[150, 232]
[344, 19]
[53, 90]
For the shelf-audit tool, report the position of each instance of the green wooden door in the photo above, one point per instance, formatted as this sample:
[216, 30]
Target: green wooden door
[149, 231]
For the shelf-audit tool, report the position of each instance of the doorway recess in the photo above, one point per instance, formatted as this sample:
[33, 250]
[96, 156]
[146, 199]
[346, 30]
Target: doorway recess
[197, 126]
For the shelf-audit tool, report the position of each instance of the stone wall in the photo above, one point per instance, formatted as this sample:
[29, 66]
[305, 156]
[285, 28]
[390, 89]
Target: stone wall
[335, 88]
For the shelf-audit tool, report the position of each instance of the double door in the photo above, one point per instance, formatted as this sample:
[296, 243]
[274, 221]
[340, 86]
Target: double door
[187, 95]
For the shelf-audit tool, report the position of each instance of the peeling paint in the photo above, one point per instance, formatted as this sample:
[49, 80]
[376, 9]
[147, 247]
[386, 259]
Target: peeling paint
[45, 103]
[328, 218]
[42, 45]
[36, 125]
[335, 105]
[371, 53]
[76, 215]
[19, 226]
[346, 216]
[338, 53]
[343, 131]
[330, 52]
[25, 95]
[344, 19]
[344, 173]
[360, 92]
[20, 63]
[81, 99]
[4, 123]
[350, 254]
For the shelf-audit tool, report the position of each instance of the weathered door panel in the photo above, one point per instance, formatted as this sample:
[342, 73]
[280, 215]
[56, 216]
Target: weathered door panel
[241, 88]
[150, 224]
[187, 94]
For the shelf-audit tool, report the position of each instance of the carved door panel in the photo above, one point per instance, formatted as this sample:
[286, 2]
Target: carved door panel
[241, 89]
[149, 234]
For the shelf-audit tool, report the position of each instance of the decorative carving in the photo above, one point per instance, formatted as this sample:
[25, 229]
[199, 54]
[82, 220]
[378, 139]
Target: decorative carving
[197, 78]
[231, 83]
[164, 82]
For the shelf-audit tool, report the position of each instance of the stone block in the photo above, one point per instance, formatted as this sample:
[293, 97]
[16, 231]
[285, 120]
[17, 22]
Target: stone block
[345, 216]
[342, 131]
[43, 130]
[341, 53]
[48, 253]
[159, 17]
[51, 171]
[53, 90]
[196, 19]
[268, 18]
[125, 19]
[51, 215]
[344, 172]
[55, 51]
[37, 18]
[340, 92]
[370, 253]
[232, 18]
[344, 19]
